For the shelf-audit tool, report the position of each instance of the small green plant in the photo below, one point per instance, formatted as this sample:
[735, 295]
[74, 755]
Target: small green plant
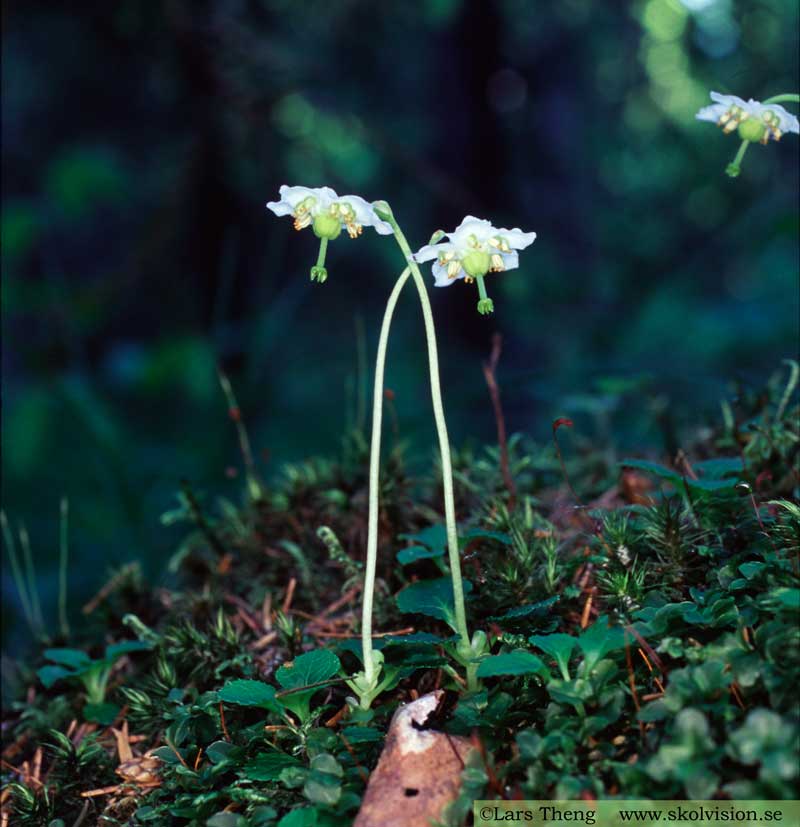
[471, 251]
[74, 664]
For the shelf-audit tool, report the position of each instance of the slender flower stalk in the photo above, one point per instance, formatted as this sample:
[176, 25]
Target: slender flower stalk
[444, 443]
[370, 672]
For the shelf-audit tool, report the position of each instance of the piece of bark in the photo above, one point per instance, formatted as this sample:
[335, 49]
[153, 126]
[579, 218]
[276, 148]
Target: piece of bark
[418, 773]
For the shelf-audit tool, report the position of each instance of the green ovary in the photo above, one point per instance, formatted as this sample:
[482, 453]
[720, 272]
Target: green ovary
[476, 263]
[326, 226]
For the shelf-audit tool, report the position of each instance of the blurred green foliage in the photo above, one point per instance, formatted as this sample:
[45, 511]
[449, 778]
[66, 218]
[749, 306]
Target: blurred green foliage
[142, 141]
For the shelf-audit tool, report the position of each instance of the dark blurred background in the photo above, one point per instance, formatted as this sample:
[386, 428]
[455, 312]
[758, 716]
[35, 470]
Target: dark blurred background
[141, 141]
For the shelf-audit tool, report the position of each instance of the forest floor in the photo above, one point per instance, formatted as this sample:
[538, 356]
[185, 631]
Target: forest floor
[642, 618]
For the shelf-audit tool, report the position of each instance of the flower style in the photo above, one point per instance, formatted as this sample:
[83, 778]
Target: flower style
[327, 213]
[755, 121]
[474, 249]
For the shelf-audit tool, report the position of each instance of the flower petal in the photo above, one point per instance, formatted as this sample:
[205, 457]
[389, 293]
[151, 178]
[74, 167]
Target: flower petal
[366, 215]
[511, 260]
[712, 113]
[729, 100]
[431, 251]
[787, 121]
[441, 277]
[516, 239]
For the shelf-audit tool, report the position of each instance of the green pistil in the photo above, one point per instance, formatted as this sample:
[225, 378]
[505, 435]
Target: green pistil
[318, 271]
[485, 305]
[734, 167]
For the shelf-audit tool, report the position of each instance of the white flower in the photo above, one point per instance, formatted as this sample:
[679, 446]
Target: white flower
[327, 212]
[474, 249]
[756, 121]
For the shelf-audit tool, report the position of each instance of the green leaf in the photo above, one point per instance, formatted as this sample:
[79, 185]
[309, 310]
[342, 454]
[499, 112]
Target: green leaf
[433, 598]
[116, 650]
[361, 734]
[223, 819]
[74, 658]
[248, 693]
[600, 639]
[518, 662]
[751, 570]
[220, 751]
[104, 713]
[480, 534]
[410, 555]
[267, 766]
[312, 667]
[526, 611]
[324, 783]
[678, 480]
[559, 646]
[719, 467]
[49, 675]
[302, 817]
[434, 537]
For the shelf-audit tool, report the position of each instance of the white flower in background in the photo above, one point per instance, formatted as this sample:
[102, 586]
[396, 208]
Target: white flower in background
[474, 249]
[755, 121]
[326, 212]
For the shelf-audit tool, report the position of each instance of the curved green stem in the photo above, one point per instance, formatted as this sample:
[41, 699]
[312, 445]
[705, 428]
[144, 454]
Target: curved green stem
[444, 443]
[374, 481]
[323, 249]
[734, 167]
[786, 98]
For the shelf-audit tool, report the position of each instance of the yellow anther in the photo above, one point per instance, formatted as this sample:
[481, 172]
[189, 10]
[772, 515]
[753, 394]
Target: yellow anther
[468, 279]
[497, 263]
[302, 219]
[353, 230]
[452, 269]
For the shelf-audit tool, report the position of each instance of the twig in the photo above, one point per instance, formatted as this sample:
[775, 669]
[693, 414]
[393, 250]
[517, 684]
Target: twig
[109, 587]
[234, 412]
[175, 750]
[287, 601]
[632, 682]
[63, 558]
[82, 815]
[489, 373]
[222, 722]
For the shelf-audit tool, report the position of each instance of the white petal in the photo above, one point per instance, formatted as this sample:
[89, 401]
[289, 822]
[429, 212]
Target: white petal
[712, 113]
[441, 277]
[511, 260]
[479, 227]
[788, 122]
[366, 215]
[280, 207]
[431, 251]
[516, 239]
[729, 100]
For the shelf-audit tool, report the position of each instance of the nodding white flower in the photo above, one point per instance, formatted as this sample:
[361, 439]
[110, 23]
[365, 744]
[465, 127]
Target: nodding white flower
[755, 121]
[326, 212]
[472, 250]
